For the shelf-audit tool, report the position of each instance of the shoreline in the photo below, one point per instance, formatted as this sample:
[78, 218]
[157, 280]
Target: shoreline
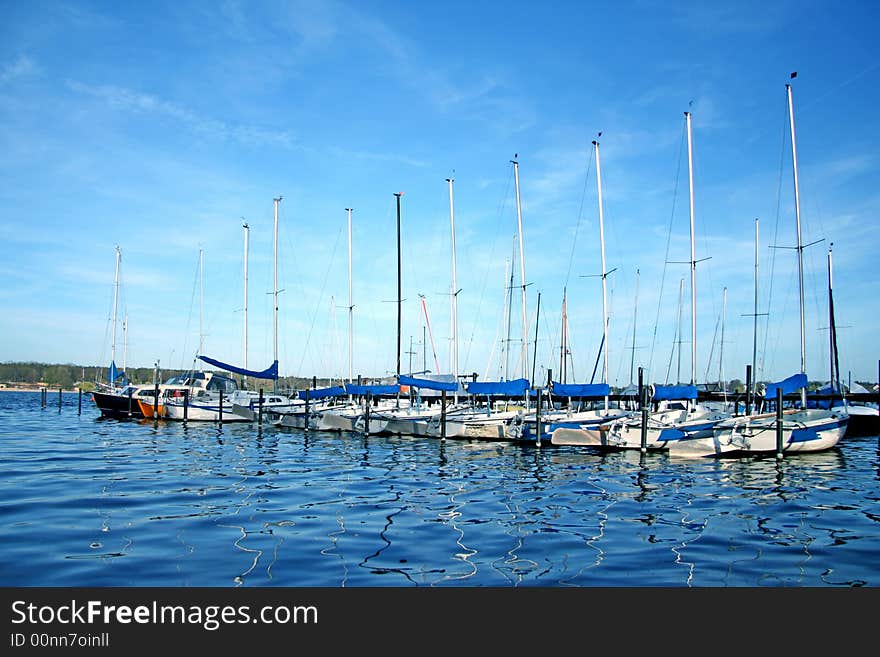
[48, 389]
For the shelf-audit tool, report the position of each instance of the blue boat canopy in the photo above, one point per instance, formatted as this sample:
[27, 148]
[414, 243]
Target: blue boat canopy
[665, 393]
[428, 383]
[322, 393]
[375, 389]
[512, 388]
[581, 389]
[792, 384]
[270, 372]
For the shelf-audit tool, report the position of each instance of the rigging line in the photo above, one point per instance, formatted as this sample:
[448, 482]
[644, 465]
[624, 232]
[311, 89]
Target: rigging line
[320, 297]
[668, 241]
[192, 300]
[580, 216]
[489, 261]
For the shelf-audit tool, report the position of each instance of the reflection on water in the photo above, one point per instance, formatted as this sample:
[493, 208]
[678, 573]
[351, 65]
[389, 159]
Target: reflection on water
[91, 502]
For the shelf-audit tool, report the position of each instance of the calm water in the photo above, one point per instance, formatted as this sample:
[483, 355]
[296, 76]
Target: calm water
[92, 502]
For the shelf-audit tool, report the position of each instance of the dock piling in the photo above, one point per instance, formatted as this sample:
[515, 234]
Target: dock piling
[779, 422]
[443, 415]
[644, 408]
[79, 409]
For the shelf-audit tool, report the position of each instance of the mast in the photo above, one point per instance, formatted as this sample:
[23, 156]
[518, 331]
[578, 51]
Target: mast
[115, 305]
[124, 341]
[245, 338]
[755, 327]
[276, 201]
[524, 357]
[201, 305]
[693, 262]
[350, 304]
[399, 300]
[721, 346]
[604, 271]
[454, 300]
[835, 367]
[564, 341]
[800, 247]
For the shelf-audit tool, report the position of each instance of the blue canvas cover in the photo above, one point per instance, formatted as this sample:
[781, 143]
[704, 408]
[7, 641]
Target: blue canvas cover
[792, 384]
[428, 384]
[270, 372]
[511, 388]
[581, 389]
[322, 393]
[667, 393]
[375, 389]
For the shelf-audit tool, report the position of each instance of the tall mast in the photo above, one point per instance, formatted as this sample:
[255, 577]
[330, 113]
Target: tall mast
[454, 300]
[564, 341]
[399, 291]
[522, 271]
[721, 347]
[115, 304]
[350, 303]
[124, 341]
[604, 272]
[245, 338]
[800, 248]
[693, 262]
[276, 201]
[201, 306]
[832, 331]
[755, 326]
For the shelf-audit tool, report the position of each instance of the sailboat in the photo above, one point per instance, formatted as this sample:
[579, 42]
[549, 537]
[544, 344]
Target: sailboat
[800, 430]
[581, 420]
[678, 416]
[117, 398]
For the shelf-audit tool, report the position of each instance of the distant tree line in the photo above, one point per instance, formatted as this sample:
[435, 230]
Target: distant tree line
[70, 376]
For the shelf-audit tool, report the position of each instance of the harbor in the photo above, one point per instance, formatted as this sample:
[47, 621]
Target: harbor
[101, 502]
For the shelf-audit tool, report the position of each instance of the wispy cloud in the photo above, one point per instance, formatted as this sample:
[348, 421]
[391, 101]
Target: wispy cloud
[20, 67]
[121, 98]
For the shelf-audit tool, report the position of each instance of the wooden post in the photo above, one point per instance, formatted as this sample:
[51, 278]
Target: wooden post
[306, 417]
[79, 409]
[185, 404]
[260, 404]
[748, 389]
[643, 394]
[443, 415]
[538, 419]
[779, 422]
[367, 415]
[42, 398]
[156, 401]
[220, 412]
[59, 399]
[130, 391]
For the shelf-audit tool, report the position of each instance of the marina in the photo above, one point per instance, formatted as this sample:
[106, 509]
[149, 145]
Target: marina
[89, 501]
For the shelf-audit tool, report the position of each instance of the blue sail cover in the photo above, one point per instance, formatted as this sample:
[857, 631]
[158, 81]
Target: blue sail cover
[792, 384]
[512, 388]
[665, 393]
[375, 389]
[270, 372]
[428, 384]
[112, 374]
[581, 389]
[322, 393]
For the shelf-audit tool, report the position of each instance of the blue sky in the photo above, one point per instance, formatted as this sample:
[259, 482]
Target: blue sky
[160, 127]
